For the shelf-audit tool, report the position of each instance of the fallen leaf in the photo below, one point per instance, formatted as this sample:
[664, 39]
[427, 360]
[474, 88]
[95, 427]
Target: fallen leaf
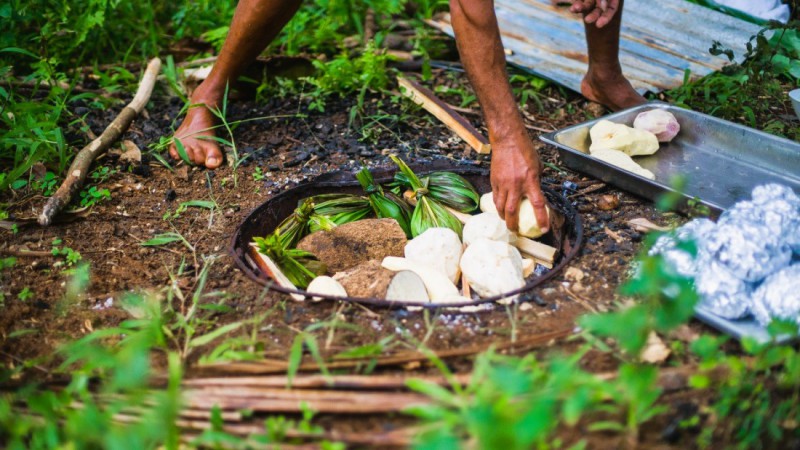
[655, 351]
[643, 225]
[574, 274]
[132, 154]
[182, 172]
[607, 202]
[614, 235]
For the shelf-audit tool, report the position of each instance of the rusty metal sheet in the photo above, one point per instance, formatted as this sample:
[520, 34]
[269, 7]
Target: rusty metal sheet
[659, 40]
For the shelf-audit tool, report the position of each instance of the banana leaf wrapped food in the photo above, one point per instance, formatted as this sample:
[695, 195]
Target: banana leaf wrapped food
[385, 204]
[448, 188]
[428, 212]
[321, 212]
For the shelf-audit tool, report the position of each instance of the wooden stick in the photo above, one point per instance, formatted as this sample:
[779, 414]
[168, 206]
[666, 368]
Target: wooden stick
[80, 166]
[370, 382]
[268, 366]
[283, 401]
[542, 253]
[453, 120]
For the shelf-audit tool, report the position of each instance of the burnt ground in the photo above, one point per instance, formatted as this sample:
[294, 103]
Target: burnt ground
[289, 151]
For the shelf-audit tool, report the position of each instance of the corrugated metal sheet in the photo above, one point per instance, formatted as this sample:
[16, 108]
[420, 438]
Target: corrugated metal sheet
[659, 40]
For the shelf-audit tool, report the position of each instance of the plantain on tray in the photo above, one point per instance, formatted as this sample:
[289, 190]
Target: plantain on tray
[448, 188]
[299, 266]
[429, 212]
[385, 204]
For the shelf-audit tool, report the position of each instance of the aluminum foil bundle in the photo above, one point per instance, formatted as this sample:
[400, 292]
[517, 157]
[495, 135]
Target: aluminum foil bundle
[774, 206]
[722, 292]
[682, 261]
[750, 250]
[778, 297]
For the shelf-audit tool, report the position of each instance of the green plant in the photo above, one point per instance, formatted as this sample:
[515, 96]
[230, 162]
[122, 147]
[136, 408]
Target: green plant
[71, 257]
[93, 196]
[25, 294]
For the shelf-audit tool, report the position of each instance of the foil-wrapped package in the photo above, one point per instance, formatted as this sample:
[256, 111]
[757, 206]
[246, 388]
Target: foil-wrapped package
[682, 261]
[768, 192]
[750, 250]
[775, 206]
[722, 292]
[778, 297]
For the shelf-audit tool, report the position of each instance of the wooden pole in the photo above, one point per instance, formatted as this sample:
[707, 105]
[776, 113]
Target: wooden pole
[83, 160]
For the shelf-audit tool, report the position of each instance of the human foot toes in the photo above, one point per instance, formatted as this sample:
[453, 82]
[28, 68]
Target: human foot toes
[614, 92]
[196, 135]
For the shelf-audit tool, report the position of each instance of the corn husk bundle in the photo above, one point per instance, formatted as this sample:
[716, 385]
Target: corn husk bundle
[428, 212]
[321, 212]
[385, 204]
[299, 266]
[447, 188]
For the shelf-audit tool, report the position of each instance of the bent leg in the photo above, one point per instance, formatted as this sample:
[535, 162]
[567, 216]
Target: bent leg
[255, 24]
[604, 82]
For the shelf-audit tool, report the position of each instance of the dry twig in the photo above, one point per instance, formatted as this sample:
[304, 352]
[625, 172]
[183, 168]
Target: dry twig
[83, 160]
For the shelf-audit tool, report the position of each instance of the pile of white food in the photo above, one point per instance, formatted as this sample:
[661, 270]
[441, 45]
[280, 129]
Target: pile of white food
[486, 262]
[617, 143]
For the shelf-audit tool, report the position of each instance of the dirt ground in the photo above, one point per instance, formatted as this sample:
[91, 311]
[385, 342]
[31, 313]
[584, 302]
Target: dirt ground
[289, 151]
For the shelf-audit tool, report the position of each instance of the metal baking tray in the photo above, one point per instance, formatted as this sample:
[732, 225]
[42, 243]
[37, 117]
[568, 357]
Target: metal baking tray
[721, 163]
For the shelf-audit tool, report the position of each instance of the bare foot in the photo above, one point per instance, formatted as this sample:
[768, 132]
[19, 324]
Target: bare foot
[614, 91]
[199, 122]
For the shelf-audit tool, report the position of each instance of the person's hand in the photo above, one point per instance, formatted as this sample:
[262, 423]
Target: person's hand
[598, 12]
[515, 174]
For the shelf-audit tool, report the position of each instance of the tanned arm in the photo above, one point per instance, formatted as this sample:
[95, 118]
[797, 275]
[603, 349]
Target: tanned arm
[515, 161]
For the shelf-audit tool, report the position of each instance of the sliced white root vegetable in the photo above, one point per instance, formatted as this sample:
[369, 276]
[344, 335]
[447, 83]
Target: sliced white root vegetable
[486, 225]
[607, 135]
[439, 248]
[272, 270]
[407, 286]
[541, 252]
[528, 226]
[437, 284]
[327, 286]
[528, 266]
[623, 161]
[492, 267]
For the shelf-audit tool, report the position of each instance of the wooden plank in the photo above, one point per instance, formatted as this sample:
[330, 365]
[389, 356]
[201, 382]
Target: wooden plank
[442, 111]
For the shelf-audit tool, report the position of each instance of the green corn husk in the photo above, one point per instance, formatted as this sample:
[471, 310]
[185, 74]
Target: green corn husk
[299, 266]
[385, 206]
[448, 188]
[429, 212]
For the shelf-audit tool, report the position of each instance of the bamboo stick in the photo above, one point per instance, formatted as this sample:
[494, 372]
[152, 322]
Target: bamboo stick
[83, 160]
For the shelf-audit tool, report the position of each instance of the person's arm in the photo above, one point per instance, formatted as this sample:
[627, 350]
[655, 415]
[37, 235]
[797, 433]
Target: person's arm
[515, 162]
